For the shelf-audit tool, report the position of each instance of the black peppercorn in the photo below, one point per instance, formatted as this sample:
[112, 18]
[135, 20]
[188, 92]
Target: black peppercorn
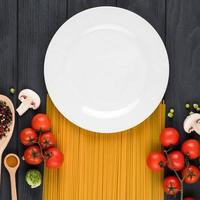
[5, 119]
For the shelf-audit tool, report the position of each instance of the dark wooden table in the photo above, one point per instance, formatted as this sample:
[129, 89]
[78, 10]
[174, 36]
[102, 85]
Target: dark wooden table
[27, 26]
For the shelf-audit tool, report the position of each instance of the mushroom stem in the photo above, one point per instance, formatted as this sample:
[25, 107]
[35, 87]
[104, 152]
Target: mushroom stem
[23, 108]
[29, 99]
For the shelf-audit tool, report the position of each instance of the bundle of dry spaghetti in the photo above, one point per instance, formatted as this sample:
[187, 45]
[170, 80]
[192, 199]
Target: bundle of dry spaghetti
[104, 166]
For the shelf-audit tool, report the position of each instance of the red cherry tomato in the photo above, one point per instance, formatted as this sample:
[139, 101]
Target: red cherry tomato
[176, 160]
[169, 137]
[191, 148]
[54, 158]
[47, 140]
[32, 155]
[28, 136]
[191, 174]
[41, 122]
[171, 185]
[188, 198]
[156, 161]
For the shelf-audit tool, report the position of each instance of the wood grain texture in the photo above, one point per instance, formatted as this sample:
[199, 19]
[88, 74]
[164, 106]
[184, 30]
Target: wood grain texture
[37, 23]
[183, 45]
[8, 72]
[104, 166]
[80, 5]
[26, 27]
[151, 10]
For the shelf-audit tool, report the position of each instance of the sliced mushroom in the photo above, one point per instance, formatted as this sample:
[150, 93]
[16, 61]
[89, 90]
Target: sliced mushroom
[192, 123]
[29, 99]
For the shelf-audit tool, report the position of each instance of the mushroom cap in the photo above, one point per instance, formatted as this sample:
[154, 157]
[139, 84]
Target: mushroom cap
[190, 122]
[31, 96]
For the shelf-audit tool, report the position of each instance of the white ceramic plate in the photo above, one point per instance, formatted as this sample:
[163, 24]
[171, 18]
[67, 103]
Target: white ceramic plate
[106, 69]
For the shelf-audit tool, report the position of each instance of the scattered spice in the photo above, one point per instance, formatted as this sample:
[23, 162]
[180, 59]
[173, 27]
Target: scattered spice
[198, 109]
[170, 114]
[12, 90]
[171, 110]
[5, 119]
[195, 105]
[187, 105]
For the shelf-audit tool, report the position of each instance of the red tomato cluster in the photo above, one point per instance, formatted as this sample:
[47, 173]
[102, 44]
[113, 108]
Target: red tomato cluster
[175, 160]
[41, 143]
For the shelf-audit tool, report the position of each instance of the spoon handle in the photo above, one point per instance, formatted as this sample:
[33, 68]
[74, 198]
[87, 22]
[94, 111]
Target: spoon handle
[0, 167]
[13, 186]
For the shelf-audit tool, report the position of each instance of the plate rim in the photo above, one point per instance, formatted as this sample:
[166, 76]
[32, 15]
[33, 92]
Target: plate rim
[110, 130]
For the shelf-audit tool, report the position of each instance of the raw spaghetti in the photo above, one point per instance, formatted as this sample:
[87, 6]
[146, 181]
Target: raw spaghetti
[104, 166]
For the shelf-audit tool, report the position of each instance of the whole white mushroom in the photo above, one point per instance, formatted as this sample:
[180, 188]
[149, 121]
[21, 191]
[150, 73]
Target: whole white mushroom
[29, 99]
[192, 123]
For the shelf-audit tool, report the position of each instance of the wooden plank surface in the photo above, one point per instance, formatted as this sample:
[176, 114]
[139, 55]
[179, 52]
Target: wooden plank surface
[37, 23]
[183, 45]
[151, 10]
[75, 6]
[8, 72]
[26, 27]
[31, 25]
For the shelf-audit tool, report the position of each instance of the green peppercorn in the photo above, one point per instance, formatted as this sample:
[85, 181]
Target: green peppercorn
[195, 105]
[12, 90]
[187, 105]
[171, 110]
[198, 109]
[170, 115]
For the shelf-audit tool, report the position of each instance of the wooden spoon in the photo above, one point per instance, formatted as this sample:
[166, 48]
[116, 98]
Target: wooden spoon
[11, 162]
[5, 140]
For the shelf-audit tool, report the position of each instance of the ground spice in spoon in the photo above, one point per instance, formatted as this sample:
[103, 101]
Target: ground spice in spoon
[12, 161]
[5, 119]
